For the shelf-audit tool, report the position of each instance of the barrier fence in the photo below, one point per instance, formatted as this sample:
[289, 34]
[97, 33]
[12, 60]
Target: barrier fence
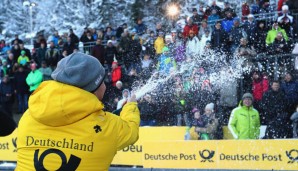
[165, 147]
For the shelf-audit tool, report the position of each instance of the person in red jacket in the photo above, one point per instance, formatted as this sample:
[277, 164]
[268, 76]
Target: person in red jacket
[190, 26]
[115, 73]
[260, 85]
[245, 11]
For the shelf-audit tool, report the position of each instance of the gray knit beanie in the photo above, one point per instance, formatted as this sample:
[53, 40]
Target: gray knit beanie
[247, 95]
[80, 70]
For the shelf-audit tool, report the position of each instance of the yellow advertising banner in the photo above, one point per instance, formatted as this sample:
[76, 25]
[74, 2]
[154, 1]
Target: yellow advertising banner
[132, 155]
[8, 147]
[164, 147]
[225, 154]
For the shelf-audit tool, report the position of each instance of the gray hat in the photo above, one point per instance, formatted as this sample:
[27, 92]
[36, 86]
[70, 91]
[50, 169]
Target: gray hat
[247, 95]
[80, 70]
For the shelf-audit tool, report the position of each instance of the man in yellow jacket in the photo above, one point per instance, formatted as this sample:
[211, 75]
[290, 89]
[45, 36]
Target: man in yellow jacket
[65, 127]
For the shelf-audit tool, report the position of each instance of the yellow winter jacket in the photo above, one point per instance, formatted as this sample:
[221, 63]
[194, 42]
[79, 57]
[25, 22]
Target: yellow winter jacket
[158, 45]
[65, 128]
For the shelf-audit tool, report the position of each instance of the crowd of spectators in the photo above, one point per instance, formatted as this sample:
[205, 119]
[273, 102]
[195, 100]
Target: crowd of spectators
[131, 55]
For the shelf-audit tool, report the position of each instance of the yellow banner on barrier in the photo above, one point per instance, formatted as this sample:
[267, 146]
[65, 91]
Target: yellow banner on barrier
[226, 154]
[132, 155]
[164, 147]
[8, 147]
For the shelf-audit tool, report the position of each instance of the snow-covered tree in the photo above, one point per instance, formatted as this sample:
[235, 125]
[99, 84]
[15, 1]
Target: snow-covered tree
[64, 14]
[14, 17]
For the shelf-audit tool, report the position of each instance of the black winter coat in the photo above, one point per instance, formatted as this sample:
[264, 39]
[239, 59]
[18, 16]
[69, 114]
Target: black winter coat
[87, 41]
[147, 111]
[19, 82]
[135, 50]
[6, 88]
[7, 124]
[279, 128]
[236, 34]
[219, 39]
[109, 54]
[74, 39]
[98, 51]
[260, 40]
[69, 47]
[280, 47]
[272, 102]
[250, 29]
[40, 55]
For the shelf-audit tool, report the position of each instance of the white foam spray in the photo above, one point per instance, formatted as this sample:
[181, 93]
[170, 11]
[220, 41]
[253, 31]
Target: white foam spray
[218, 74]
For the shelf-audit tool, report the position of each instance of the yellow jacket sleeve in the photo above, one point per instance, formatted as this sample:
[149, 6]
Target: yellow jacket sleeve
[128, 125]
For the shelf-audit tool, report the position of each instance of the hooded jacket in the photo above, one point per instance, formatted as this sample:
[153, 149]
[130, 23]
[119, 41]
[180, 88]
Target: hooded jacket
[244, 122]
[159, 44]
[116, 75]
[273, 33]
[259, 88]
[65, 127]
[34, 79]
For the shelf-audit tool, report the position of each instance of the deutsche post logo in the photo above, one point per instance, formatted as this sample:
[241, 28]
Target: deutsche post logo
[207, 155]
[71, 165]
[292, 155]
[14, 142]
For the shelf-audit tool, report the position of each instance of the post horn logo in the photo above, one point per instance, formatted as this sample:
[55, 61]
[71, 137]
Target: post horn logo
[71, 165]
[14, 142]
[292, 155]
[207, 155]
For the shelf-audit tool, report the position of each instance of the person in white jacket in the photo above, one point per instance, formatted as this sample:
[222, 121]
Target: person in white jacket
[205, 37]
[192, 46]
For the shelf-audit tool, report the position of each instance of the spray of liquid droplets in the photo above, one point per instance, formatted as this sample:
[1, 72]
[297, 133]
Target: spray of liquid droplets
[219, 72]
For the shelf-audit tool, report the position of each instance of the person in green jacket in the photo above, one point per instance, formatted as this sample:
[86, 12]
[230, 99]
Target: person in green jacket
[271, 35]
[23, 59]
[244, 121]
[34, 78]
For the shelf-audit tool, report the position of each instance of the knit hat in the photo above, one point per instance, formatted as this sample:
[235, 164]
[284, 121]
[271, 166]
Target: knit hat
[80, 70]
[23, 52]
[247, 95]
[210, 106]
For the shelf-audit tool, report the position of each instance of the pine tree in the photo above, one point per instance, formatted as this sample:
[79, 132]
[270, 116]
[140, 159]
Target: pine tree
[15, 18]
